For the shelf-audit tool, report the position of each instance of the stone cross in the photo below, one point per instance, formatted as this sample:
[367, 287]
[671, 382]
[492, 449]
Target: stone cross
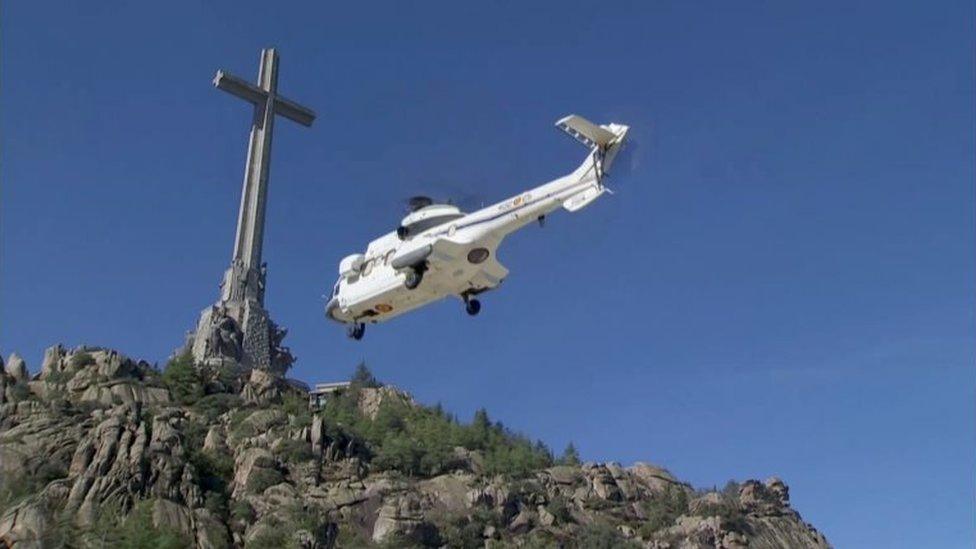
[238, 330]
[246, 281]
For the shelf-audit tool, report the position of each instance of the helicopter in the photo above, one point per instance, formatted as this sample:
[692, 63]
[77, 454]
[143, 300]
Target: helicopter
[439, 251]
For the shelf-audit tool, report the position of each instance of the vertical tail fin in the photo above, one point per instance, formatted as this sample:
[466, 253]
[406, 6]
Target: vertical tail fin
[603, 141]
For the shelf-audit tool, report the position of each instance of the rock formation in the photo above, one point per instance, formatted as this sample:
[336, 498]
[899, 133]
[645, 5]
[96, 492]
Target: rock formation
[249, 465]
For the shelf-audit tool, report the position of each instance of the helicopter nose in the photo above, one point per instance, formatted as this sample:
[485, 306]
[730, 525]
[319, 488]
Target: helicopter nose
[330, 308]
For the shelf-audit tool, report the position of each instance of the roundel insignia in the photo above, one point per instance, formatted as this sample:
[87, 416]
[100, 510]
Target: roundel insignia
[517, 201]
[384, 308]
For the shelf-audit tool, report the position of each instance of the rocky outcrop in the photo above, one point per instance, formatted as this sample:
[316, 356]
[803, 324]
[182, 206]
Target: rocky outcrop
[16, 368]
[270, 475]
[371, 399]
[265, 387]
[97, 375]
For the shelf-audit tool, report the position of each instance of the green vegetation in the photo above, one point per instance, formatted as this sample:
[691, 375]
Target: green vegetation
[183, 380]
[82, 359]
[112, 528]
[59, 377]
[420, 441]
[570, 456]
[296, 406]
[262, 479]
[559, 508]
[19, 392]
[294, 451]
[242, 511]
[602, 535]
[726, 508]
[662, 508]
[215, 405]
[281, 533]
[466, 531]
[14, 490]
[363, 378]
[214, 469]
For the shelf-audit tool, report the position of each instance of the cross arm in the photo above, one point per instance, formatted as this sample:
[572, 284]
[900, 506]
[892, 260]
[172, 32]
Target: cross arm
[293, 111]
[249, 92]
[239, 87]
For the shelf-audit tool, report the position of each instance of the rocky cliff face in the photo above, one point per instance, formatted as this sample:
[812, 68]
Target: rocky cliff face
[96, 437]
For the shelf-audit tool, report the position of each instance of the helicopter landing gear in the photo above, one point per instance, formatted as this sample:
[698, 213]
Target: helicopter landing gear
[472, 306]
[413, 279]
[356, 331]
[414, 276]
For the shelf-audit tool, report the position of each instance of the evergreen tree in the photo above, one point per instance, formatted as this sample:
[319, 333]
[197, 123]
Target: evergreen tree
[481, 426]
[363, 378]
[183, 379]
[570, 455]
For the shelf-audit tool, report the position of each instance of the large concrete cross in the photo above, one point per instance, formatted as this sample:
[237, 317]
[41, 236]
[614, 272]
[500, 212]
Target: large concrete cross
[246, 280]
[238, 330]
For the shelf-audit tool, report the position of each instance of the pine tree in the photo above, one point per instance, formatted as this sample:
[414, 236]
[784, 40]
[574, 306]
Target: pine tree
[183, 379]
[363, 378]
[570, 455]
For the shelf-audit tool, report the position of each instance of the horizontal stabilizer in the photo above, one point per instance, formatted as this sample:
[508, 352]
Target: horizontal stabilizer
[579, 200]
[585, 132]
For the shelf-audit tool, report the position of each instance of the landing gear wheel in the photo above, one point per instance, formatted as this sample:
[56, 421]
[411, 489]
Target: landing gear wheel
[356, 331]
[413, 279]
[472, 306]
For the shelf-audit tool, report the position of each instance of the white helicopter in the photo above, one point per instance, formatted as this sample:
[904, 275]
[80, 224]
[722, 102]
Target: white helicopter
[439, 251]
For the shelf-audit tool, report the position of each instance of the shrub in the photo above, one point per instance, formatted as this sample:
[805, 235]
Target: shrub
[214, 470]
[729, 512]
[216, 503]
[136, 531]
[50, 471]
[183, 380]
[82, 359]
[731, 491]
[601, 535]
[417, 440]
[363, 378]
[15, 490]
[463, 532]
[662, 508]
[19, 392]
[570, 456]
[310, 519]
[559, 508]
[279, 530]
[215, 405]
[242, 511]
[58, 377]
[297, 409]
[262, 479]
[276, 535]
[294, 451]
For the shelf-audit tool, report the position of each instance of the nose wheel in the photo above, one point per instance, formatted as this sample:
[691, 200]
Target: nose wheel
[472, 306]
[356, 331]
[413, 278]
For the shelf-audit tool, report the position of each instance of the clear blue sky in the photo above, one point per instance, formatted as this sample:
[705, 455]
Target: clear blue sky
[782, 285]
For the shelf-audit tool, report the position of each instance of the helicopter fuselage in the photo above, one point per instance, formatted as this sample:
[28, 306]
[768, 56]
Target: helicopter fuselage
[439, 251]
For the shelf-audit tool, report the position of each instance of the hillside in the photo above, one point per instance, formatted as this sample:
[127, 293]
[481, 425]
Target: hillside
[98, 450]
